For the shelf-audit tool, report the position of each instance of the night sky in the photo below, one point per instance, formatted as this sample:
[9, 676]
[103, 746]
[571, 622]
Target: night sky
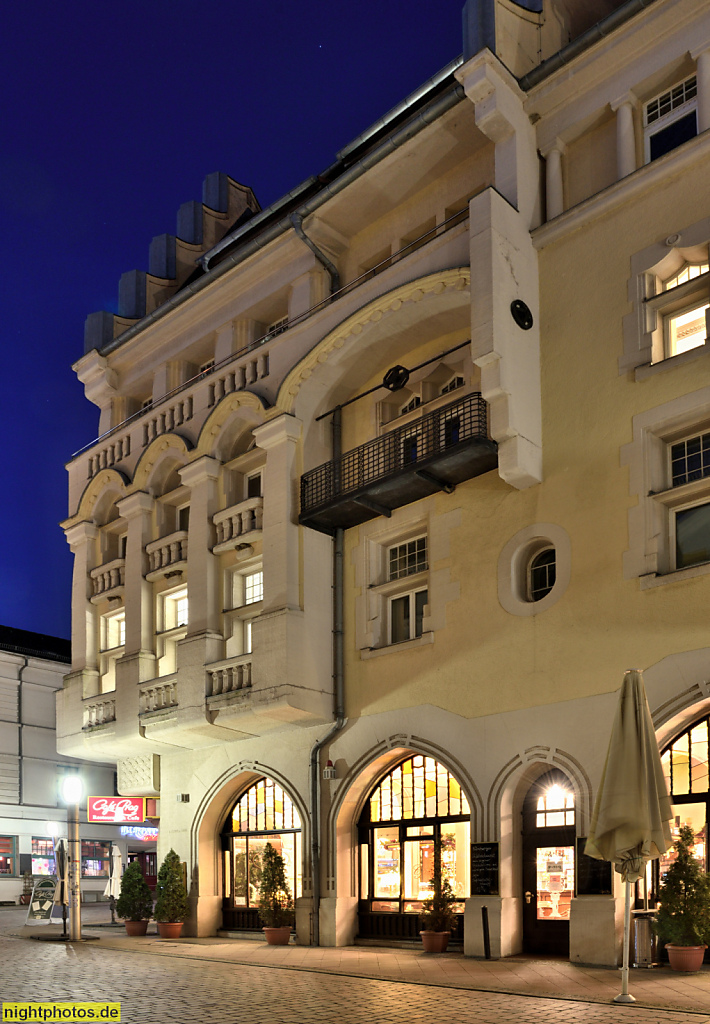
[113, 113]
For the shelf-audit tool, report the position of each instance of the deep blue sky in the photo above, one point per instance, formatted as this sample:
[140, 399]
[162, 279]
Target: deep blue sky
[113, 113]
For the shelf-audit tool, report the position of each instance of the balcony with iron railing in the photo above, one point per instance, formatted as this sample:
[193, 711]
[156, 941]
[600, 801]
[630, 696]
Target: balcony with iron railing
[434, 452]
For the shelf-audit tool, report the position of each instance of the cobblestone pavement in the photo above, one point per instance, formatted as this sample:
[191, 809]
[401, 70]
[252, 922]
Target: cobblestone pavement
[179, 990]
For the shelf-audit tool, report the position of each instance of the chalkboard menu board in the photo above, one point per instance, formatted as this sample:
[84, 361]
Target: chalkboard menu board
[484, 869]
[594, 877]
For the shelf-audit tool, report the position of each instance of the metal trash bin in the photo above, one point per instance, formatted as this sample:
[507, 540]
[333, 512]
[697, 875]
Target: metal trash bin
[644, 939]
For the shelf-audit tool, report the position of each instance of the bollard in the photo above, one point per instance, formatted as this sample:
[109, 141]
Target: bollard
[486, 933]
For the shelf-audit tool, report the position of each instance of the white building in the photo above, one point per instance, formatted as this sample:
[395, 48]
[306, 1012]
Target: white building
[32, 667]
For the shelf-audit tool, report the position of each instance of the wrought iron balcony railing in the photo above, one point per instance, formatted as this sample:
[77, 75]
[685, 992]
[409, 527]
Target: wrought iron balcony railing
[434, 452]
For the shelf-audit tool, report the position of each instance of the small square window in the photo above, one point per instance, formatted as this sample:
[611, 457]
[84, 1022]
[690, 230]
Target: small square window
[407, 559]
[686, 329]
[253, 487]
[253, 587]
[692, 536]
[690, 459]
[407, 616]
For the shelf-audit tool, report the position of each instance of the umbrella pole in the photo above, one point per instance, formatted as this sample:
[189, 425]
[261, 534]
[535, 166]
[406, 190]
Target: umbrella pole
[624, 996]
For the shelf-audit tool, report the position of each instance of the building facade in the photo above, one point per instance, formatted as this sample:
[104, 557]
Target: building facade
[32, 667]
[398, 476]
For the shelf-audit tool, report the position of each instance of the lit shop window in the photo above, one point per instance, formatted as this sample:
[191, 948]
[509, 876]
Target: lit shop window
[42, 856]
[94, 859]
[7, 855]
[263, 814]
[417, 809]
[685, 765]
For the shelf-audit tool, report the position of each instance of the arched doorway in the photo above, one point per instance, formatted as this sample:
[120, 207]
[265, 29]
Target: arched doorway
[416, 807]
[548, 864]
[263, 814]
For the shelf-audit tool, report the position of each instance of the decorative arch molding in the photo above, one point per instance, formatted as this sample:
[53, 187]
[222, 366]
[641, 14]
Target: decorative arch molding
[512, 782]
[212, 811]
[384, 306]
[678, 689]
[341, 822]
[242, 406]
[165, 446]
[97, 489]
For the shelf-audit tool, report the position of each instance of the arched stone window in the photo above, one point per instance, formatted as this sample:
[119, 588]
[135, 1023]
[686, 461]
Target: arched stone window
[417, 807]
[263, 814]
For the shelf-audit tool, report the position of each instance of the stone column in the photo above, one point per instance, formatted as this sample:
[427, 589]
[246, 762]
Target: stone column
[82, 541]
[137, 509]
[280, 438]
[205, 613]
[625, 135]
[553, 179]
[701, 56]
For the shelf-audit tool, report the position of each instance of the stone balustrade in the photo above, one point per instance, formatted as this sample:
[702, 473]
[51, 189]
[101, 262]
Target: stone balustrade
[118, 449]
[229, 676]
[234, 523]
[166, 553]
[157, 696]
[108, 579]
[167, 418]
[238, 378]
[99, 711]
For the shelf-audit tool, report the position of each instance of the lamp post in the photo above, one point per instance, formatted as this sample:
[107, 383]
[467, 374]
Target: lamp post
[72, 791]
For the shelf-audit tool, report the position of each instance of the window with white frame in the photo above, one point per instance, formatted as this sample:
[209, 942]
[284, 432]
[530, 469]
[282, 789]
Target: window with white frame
[669, 460]
[253, 485]
[113, 641]
[670, 119]
[670, 290]
[247, 594]
[541, 574]
[406, 615]
[173, 609]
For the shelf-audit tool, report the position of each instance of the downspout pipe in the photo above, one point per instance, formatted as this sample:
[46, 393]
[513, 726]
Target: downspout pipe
[20, 787]
[339, 702]
[332, 270]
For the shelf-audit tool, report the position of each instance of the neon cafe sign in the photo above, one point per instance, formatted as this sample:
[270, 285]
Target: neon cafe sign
[145, 833]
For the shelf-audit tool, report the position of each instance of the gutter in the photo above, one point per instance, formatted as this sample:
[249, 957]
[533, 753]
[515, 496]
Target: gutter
[20, 726]
[332, 270]
[593, 35]
[331, 182]
[339, 704]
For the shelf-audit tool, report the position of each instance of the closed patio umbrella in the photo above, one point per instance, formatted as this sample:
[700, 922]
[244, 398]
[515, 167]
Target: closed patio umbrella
[632, 813]
[61, 893]
[113, 886]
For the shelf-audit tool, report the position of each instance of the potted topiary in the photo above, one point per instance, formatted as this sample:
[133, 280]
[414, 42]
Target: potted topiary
[171, 906]
[683, 916]
[135, 902]
[437, 916]
[275, 900]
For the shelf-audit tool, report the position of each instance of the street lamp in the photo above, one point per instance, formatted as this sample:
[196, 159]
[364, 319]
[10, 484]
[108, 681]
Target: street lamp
[72, 792]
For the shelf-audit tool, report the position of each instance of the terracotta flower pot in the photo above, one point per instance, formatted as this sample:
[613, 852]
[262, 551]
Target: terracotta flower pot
[170, 929]
[136, 927]
[278, 936]
[435, 942]
[685, 958]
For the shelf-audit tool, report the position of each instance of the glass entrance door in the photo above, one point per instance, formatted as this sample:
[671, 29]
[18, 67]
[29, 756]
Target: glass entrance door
[548, 865]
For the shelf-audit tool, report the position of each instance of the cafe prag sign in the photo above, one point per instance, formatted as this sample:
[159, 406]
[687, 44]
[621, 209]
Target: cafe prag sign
[116, 809]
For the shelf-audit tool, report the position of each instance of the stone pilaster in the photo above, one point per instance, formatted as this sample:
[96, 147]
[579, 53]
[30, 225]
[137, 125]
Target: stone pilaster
[137, 509]
[280, 439]
[201, 477]
[82, 539]
[625, 135]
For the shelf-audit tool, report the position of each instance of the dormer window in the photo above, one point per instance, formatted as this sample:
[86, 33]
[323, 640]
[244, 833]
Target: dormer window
[670, 119]
[456, 382]
[411, 405]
